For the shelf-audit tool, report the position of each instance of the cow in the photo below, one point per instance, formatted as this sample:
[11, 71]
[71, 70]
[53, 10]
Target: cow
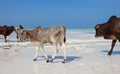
[55, 35]
[109, 30]
[18, 30]
[6, 31]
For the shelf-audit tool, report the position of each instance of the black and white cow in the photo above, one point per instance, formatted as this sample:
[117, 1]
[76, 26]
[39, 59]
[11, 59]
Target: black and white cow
[18, 30]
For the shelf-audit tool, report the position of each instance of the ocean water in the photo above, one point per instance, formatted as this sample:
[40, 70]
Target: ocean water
[80, 34]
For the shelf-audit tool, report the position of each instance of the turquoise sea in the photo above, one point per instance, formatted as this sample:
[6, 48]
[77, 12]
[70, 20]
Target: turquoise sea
[84, 34]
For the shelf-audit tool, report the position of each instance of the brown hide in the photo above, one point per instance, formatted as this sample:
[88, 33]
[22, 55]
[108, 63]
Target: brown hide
[6, 31]
[109, 30]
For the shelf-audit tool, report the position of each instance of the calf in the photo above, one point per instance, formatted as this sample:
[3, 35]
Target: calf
[109, 30]
[54, 35]
[18, 32]
[6, 31]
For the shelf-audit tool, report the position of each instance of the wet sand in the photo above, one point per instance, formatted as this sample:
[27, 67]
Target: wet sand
[81, 59]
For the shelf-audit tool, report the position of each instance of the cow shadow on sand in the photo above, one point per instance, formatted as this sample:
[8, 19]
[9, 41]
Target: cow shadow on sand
[113, 53]
[60, 58]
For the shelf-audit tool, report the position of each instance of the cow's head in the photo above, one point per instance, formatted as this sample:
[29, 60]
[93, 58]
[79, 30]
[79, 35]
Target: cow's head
[24, 35]
[21, 27]
[99, 30]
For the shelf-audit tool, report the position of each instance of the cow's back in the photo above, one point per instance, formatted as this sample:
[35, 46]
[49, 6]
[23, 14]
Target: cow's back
[3, 30]
[9, 30]
[52, 34]
[114, 24]
[117, 25]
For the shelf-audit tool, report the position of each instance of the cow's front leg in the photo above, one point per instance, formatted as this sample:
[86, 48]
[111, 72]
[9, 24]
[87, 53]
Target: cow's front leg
[36, 53]
[112, 46]
[43, 51]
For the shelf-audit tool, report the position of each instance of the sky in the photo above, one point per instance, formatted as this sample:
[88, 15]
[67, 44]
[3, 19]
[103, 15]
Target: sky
[74, 14]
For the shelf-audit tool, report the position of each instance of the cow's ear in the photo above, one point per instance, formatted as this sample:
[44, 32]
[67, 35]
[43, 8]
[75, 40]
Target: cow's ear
[97, 26]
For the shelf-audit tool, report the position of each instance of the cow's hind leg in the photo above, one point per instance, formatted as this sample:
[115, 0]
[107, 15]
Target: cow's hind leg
[64, 53]
[36, 53]
[5, 37]
[17, 37]
[112, 46]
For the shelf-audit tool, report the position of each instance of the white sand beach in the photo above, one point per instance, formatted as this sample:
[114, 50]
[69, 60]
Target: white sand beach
[85, 55]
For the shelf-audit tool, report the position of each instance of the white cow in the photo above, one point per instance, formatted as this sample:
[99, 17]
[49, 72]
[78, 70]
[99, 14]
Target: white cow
[54, 35]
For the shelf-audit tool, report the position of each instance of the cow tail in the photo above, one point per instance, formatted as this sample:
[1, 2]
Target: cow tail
[64, 39]
[64, 34]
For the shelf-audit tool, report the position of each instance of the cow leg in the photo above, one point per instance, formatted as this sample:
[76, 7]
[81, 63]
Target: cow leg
[17, 38]
[112, 46]
[64, 53]
[5, 38]
[55, 52]
[16, 31]
[36, 53]
[43, 51]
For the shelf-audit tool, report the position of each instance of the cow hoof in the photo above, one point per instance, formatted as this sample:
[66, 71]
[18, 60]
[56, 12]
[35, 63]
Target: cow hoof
[109, 54]
[47, 61]
[64, 61]
[51, 60]
[34, 59]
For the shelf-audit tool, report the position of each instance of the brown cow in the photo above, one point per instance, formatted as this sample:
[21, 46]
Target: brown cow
[109, 30]
[6, 31]
[54, 35]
